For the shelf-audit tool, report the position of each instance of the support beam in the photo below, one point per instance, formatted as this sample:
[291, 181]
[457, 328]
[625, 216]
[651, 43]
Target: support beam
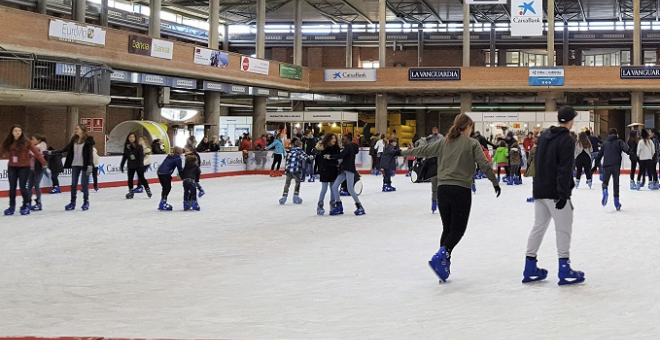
[259, 118]
[420, 44]
[214, 20]
[357, 11]
[381, 113]
[566, 46]
[151, 109]
[212, 112]
[431, 10]
[154, 18]
[550, 99]
[551, 33]
[72, 120]
[637, 34]
[420, 122]
[466, 102]
[78, 8]
[637, 107]
[103, 16]
[261, 31]
[466, 34]
[41, 6]
[225, 37]
[349, 46]
[493, 47]
[382, 34]
[297, 35]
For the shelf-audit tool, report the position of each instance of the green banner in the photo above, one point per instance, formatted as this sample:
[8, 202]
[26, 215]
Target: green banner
[291, 72]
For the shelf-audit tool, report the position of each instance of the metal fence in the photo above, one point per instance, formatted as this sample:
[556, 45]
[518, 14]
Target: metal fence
[20, 70]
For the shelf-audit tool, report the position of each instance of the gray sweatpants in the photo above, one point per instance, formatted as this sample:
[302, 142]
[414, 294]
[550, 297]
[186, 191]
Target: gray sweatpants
[544, 211]
[434, 189]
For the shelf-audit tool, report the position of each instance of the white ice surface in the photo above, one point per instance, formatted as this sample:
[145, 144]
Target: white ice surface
[246, 267]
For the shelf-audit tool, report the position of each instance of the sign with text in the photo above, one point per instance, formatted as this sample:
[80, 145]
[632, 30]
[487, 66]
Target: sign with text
[254, 65]
[526, 18]
[548, 76]
[291, 71]
[150, 47]
[205, 56]
[75, 33]
[351, 75]
[284, 117]
[434, 74]
[640, 72]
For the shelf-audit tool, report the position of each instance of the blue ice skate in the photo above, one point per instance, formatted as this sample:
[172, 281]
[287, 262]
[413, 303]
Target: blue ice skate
[474, 188]
[283, 200]
[25, 209]
[195, 206]
[311, 179]
[440, 264]
[10, 211]
[517, 181]
[605, 196]
[633, 185]
[85, 206]
[163, 206]
[589, 183]
[532, 272]
[434, 207]
[388, 188]
[138, 190]
[342, 192]
[297, 199]
[55, 190]
[577, 184]
[530, 199]
[37, 206]
[319, 209]
[70, 206]
[337, 209]
[201, 191]
[360, 210]
[186, 205]
[617, 204]
[568, 276]
[640, 185]
[600, 175]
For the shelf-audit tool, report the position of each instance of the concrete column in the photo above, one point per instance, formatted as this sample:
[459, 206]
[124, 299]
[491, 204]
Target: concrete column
[493, 47]
[349, 46]
[259, 118]
[72, 119]
[466, 102]
[637, 104]
[551, 100]
[41, 8]
[225, 37]
[104, 13]
[261, 30]
[154, 18]
[151, 109]
[466, 34]
[420, 44]
[501, 57]
[566, 46]
[551, 33]
[297, 35]
[212, 112]
[78, 8]
[420, 120]
[214, 21]
[382, 34]
[637, 97]
[381, 113]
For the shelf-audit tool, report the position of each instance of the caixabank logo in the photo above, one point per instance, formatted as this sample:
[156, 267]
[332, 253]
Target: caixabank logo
[206, 164]
[108, 169]
[4, 175]
[231, 161]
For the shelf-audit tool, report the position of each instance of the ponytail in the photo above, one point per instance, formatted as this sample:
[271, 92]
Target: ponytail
[461, 123]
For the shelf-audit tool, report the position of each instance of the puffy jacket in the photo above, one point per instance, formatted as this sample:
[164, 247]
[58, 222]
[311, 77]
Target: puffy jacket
[388, 159]
[170, 163]
[514, 155]
[328, 168]
[147, 155]
[278, 145]
[55, 161]
[610, 152]
[245, 145]
[529, 172]
[501, 155]
[645, 150]
[553, 164]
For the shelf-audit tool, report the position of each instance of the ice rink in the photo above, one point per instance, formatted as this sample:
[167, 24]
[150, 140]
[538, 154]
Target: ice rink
[246, 267]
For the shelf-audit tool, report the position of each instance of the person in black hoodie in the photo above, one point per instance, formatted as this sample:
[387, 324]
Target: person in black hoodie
[190, 177]
[309, 145]
[204, 145]
[328, 168]
[56, 168]
[134, 155]
[611, 151]
[553, 183]
[388, 164]
[347, 171]
[165, 171]
[80, 159]
[632, 145]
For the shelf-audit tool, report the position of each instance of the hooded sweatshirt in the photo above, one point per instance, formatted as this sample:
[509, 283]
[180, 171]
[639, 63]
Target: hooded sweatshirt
[611, 150]
[553, 164]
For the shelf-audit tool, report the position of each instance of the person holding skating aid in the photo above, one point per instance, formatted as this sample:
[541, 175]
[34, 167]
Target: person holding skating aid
[388, 164]
[165, 171]
[295, 159]
[190, 177]
[610, 153]
[553, 183]
[347, 172]
[36, 172]
[514, 161]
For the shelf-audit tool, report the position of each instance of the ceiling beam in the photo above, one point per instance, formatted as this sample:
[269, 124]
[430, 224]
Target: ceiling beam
[405, 17]
[433, 12]
[356, 10]
[584, 17]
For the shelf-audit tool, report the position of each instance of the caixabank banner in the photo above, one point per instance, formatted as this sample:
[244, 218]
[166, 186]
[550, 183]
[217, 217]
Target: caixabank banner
[526, 18]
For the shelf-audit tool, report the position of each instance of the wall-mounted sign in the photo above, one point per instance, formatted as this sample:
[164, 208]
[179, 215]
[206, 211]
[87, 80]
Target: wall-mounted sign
[256, 91]
[153, 79]
[254, 65]
[546, 76]
[121, 76]
[351, 75]
[183, 83]
[291, 72]
[63, 69]
[150, 47]
[212, 86]
[75, 33]
[526, 18]
[284, 116]
[434, 74]
[640, 72]
[238, 89]
[93, 124]
[205, 56]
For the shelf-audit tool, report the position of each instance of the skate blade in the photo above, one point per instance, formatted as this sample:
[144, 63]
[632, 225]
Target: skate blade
[567, 282]
[533, 279]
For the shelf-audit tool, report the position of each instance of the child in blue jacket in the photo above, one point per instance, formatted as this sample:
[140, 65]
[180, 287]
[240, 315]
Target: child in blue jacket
[165, 171]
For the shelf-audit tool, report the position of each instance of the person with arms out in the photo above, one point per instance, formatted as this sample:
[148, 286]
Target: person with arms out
[190, 177]
[80, 159]
[280, 152]
[328, 168]
[165, 171]
[457, 156]
[17, 148]
[553, 183]
[36, 171]
[388, 164]
[610, 153]
[583, 151]
[347, 172]
[134, 156]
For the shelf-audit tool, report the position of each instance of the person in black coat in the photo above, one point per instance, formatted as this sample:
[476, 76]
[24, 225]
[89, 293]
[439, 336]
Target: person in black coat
[347, 172]
[611, 151]
[204, 145]
[134, 156]
[388, 164]
[328, 169]
[56, 168]
[80, 159]
[157, 147]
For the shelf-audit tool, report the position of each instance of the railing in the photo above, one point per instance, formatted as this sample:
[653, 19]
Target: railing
[19, 70]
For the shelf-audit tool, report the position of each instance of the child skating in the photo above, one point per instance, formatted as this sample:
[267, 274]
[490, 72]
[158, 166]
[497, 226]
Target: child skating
[165, 171]
[388, 164]
[294, 168]
[190, 177]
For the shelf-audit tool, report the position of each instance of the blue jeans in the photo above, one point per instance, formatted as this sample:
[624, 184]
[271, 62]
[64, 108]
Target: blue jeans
[78, 172]
[18, 175]
[34, 183]
[324, 189]
[350, 183]
[308, 167]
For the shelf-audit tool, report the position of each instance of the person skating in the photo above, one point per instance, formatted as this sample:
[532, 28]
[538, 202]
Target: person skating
[632, 145]
[553, 183]
[431, 163]
[277, 155]
[56, 168]
[583, 151]
[595, 145]
[645, 154]
[328, 169]
[610, 153]
[347, 173]
[80, 159]
[134, 156]
[165, 171]
[147, 152]
[457, 155]
[656, 142]
[16, 147]
[95, 169]
[530, 171]
[379, 148]
[190, 177]
[295, 159]
[501, 159]
[514, 161]
[388, 164]
[36, 172]
[309, 145]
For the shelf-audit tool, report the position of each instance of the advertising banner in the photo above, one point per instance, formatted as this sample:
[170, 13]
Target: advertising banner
[526, 18]
[205, 56]
[351, 75]
[291, 72]
[254, 65]
[546, 76]
[75, 33]
[146, 46]
[640, 72]
[434, 74]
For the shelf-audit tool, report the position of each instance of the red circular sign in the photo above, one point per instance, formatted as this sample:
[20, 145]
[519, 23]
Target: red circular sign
[246, 64]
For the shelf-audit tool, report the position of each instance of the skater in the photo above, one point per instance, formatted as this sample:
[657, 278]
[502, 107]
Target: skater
[309, 145]
[379, 148]
[17, 148]
[165, 171]
[79, 158]
[157, 147]
[656, 142]
[373, 153]
[514, 161]
[347, 172]
[190, 177]
[388, 164]
[632, 145]
[595, 145]
[277, 155]
[530, 171]
[56, 168]
[645, 153]
[431, 163]
[610, 153]
[553, 184]
[146, 163]
[295, 159]
[457, 155]
[134, 155]
[583, 151]
[328, 169]
[411, 161]
[502, 160]
[528, 144]
[36, 172]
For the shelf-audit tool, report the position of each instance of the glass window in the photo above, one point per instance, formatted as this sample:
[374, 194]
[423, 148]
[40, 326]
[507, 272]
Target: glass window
[650, 57]
[178, 115]
[488, 56]
[625, 58]
[370, 64]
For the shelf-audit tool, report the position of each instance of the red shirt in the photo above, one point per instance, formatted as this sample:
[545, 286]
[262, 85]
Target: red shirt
[20, 157]
[528, 144]
[260, 142]
[245, 145]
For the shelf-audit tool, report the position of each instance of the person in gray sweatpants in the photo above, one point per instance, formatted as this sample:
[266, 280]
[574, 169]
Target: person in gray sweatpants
[553, 183]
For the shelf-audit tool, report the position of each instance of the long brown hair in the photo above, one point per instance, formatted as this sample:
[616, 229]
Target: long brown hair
[583, 140]
[461, 123]
[81, 139]
[326, 140]
[22, 140]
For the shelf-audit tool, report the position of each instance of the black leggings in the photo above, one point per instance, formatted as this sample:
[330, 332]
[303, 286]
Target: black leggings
[95, 176]
[141, 180]
[506, 171]
[454, 203]
[166, 184]
[633, 168]
[53, 177]
[277, 158]
[646, 167]
[583, 163]
[18, 175]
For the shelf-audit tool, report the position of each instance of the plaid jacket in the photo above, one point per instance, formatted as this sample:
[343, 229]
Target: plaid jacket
[294, 160]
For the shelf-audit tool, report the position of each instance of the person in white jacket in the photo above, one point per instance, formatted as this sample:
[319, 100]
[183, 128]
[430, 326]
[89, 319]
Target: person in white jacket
[645, 152]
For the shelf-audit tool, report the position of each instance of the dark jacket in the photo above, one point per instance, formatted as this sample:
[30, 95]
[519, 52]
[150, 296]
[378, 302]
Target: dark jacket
[134, 155]
[170, 163]
[156, 148]
[214, 147]
[191, 172]
[203, 147]
[553, 164]
[632, 145]
[88, 153]
[484, 142]
[54, 161]
[595, 143]
[611, 151]
[328, 168]
[308, 144]
[656, 143]
[388, 159]
[347, 155]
